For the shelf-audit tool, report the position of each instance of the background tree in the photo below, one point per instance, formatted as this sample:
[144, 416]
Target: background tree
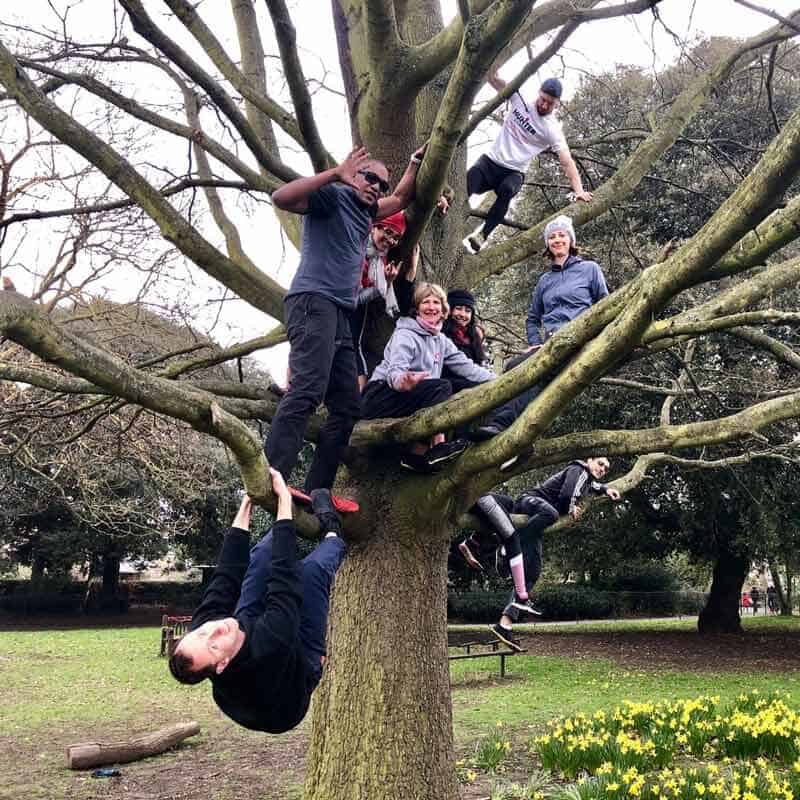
[408, 76]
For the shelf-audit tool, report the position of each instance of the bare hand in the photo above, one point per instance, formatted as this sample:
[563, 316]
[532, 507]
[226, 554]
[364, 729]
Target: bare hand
[411, 380]
[419, 153]
[533, 348]
[279, 485]
[583, 195]
[613, 493]
[391, 269]
[576, 512]
[443, 205]
[348, 169]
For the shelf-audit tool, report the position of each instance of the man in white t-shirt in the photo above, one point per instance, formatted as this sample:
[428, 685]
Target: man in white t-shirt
[526, 132]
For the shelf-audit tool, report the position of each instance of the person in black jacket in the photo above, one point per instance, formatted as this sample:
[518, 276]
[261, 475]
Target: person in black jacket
[544, 504]
[259, 632]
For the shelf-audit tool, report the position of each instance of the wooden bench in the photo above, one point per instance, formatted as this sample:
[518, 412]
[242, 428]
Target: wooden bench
[488, 649]
[172, 628]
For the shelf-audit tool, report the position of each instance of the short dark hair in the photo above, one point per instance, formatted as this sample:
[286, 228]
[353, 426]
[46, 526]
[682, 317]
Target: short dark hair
[180, 665]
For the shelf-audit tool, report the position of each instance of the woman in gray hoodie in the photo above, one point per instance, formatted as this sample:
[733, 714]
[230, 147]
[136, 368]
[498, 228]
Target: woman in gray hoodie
[410, 376]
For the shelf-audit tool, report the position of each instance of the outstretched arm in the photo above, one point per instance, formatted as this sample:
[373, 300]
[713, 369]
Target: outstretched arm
[294, 195]
[574, 177]
[404, 192]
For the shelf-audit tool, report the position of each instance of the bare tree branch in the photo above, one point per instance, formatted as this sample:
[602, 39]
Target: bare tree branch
[293, 71]
[258, 289]
[148, 30]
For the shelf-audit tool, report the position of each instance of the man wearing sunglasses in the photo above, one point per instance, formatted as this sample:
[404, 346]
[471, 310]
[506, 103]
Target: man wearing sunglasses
[340, 205]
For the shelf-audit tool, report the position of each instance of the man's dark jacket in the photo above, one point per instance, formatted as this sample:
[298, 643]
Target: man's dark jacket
[267, 686]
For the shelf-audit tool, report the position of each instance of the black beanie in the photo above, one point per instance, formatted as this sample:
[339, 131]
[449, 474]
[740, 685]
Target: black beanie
[460, 297]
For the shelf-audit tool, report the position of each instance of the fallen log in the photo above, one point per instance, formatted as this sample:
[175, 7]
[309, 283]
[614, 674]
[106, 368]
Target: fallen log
[95, 754]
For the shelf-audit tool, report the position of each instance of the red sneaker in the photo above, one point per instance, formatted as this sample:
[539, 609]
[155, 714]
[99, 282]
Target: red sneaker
[342, 504]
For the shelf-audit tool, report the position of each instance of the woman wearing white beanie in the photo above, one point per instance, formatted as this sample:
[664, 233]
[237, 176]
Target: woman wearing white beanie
[566, 290]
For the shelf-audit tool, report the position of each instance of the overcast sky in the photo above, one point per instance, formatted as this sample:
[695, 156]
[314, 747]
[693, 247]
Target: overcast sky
[593, 48]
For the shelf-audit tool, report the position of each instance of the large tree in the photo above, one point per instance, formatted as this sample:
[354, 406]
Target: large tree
[382, 719]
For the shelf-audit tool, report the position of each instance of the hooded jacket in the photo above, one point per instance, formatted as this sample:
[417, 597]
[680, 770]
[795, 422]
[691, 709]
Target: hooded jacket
[413, 348]
[561, 294]
[564, 489]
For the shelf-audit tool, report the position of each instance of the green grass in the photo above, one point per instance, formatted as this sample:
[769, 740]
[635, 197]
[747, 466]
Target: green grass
[62, 687]
[540, 688]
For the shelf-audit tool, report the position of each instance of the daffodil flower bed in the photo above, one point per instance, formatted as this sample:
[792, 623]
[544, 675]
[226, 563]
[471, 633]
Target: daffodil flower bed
[647, 736]
[757, 781]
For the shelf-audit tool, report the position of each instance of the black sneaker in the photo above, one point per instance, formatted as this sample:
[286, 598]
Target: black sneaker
[506, 636]
[414, 462]
[325, 511]
[501, 562]
[484, 433]
[446, 451]
[468, 556]
[526, 606]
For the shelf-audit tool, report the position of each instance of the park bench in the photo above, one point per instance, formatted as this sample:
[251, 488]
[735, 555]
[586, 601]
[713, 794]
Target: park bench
[172, 628]
[482, 649]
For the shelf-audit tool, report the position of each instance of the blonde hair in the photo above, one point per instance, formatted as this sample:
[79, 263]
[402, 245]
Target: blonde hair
[426, 289]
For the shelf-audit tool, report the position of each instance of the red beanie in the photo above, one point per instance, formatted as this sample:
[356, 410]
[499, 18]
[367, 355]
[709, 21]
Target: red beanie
[396, 222]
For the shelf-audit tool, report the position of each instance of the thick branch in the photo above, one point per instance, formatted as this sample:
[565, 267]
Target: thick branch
[23, 322]
[293, 71]
[669, 437]
[265, 183]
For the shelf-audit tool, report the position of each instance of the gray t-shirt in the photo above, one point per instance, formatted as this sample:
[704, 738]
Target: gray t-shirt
[333, 248]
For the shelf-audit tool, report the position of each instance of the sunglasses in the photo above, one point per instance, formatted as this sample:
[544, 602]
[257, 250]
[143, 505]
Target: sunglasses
[375, 180]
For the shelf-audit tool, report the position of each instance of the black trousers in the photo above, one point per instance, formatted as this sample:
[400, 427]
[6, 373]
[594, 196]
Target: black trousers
[504, 416]
[484, 175]
[323, 368]
[380, 400]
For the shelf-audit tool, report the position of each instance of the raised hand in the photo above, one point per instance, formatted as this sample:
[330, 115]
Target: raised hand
[411, 380]
[391, 270]
[613, 493]
[356, 160]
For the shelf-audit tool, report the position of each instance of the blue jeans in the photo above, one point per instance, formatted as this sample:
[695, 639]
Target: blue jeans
[318, 571]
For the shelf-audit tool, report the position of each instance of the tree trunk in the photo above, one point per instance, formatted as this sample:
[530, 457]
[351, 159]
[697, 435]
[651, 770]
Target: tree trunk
[721, 612]
[382, 721]
[785, 607]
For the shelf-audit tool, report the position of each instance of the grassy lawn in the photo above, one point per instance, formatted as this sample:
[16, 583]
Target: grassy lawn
[64, 687]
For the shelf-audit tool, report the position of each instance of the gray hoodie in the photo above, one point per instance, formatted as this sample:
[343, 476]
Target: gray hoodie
[412, 348]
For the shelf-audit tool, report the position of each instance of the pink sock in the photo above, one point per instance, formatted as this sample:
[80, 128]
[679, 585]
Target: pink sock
[518, 574]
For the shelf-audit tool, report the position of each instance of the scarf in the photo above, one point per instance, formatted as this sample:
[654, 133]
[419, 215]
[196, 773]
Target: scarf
[376, 261]
[437, 328]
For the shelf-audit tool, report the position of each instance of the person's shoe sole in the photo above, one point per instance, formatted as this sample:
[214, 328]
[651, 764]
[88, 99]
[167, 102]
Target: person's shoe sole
[417, 470]
[506, 465]
[507, 642]
[468, 557]
[527, 609]
[450, 456]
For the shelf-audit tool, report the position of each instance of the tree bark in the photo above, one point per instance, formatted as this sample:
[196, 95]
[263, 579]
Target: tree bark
[382, 722]
[721, 612]
[95, 754]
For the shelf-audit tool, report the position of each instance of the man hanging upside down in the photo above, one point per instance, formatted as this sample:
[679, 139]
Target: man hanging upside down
[259, 632]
